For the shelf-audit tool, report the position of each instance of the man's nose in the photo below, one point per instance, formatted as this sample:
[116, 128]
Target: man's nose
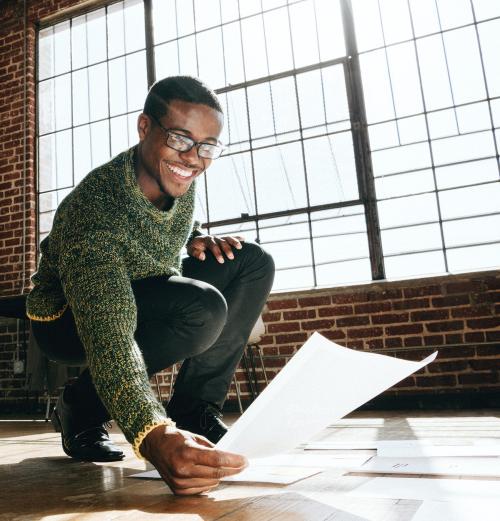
[191, 156]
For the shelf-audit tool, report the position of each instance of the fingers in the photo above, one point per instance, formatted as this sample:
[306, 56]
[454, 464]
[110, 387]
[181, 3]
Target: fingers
[219, 246]
[219, 459]
[235, 241]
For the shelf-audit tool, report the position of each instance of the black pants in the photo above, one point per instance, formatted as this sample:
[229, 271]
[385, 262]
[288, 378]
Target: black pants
[204, 318]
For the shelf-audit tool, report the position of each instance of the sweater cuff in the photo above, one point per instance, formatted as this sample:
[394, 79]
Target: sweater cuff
[147, 429]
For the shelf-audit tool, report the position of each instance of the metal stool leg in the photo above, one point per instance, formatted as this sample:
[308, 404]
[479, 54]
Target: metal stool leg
[261, 358]
[47, 409]
[238, 392]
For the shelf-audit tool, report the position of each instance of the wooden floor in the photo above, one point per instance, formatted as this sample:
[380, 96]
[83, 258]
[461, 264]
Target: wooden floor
[38, 482]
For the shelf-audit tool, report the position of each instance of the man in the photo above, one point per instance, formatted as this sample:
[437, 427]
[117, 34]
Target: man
[109, 292]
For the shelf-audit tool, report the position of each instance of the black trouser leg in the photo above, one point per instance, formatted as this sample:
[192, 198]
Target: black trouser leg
[205, 322]
[245, 283]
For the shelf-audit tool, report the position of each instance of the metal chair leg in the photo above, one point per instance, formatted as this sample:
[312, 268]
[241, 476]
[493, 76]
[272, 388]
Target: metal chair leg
[261, 358]
[238, 392]
[158, 390]
[172, 376]
[47, 409]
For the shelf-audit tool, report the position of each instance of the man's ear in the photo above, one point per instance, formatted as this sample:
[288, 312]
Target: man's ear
[143, 126]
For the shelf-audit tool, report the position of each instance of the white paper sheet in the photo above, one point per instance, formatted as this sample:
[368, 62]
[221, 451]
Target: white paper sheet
[436, 448]
[457, 511]
[422, 488]
[341, 445]
[320, 384]
[480, 467]
[279, 475]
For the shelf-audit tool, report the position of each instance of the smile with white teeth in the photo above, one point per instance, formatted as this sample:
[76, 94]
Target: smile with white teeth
[180, 171]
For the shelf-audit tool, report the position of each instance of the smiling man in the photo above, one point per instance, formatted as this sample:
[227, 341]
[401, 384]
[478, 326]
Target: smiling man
[112, 291]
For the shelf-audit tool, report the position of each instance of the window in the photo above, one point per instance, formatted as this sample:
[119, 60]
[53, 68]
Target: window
[296, 175]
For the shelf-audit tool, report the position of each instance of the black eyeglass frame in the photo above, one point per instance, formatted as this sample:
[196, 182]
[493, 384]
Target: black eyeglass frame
[197, 144]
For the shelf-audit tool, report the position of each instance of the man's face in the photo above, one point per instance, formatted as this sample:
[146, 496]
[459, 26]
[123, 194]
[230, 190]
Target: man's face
[168, 172]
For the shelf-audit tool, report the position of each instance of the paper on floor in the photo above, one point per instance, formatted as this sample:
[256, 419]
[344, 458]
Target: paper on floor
[433, 448]
[457, 511]
[320, 384]
[480, 467]
[341, 445]
[422, 488]
[258, 474]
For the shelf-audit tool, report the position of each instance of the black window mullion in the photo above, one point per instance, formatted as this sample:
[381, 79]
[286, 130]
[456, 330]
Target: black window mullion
[361, 144]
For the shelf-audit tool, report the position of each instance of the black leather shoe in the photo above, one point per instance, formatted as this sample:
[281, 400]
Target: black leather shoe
[82, 439]
[204, 419]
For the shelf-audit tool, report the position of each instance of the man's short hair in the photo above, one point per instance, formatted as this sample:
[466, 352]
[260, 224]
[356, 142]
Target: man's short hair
[183, 88]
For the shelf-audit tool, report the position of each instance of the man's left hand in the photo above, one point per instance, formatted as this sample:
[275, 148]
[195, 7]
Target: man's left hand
[219, 246]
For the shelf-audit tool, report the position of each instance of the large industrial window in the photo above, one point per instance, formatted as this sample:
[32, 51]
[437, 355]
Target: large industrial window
[298, 175]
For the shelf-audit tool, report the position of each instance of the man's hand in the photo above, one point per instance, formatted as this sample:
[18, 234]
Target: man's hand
[217, 245]
[187, 462]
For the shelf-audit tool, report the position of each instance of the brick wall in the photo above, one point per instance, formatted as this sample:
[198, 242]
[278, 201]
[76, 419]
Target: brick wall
[404, 319]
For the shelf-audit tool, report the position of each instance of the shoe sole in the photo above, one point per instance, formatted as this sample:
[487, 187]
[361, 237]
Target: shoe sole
[56, 422]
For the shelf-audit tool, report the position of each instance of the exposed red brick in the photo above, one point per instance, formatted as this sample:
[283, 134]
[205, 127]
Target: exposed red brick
[451, 325]
[484, 323]
[479, 378]
[492, 283]
[312, 325]
[375, 343]
[406, 329]
[416, 303]
[472, 311]
[424, 316]
[476, 336]
[372, 307]
[271, 317]
[455, 300]
[413, 341]
[454, 366]
[353, 321]
[456, 352]
[365, 332]
[335, 311]
[390, 318]
[492, 336]
[490, 297]
[333, 334]
[387, 294]
[282, 327]
[443, 380]
[482, 364]
[282, 304]
[314, 301]
[422, 291]
[290, 338]
[356, 344]
[393, 342]
[433, 340]
[488, 350]
[464, 287]
[349, 298]
[454, 338]
[301, 313]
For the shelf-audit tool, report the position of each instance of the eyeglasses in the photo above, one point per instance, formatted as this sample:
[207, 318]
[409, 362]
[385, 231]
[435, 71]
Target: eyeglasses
[183, 143]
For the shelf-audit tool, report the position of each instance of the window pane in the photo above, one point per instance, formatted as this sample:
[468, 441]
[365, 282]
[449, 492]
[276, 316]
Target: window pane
[400, 159]
[467, 173]
[166, 60]
[62, 47]
[404, 184]
[117, 80]
[99, 138]
[462, 148]
[484, 9]
[254, 49]
[207, 13]
[46, 53]
[279, 170]
[82, 151]
[408, 210]
[96, 36]
[187, 57]
[305, 43]
[236, 116]
[415, 238]
[137, 83]
[474, 258]
[330, 29]
[470, 231]
[230, 175]
[489, 34]
[414, 264]
[331, 170]
[211, 58]
[396, 21]
[425, 16]
[233, 54]
[279, 45]
[98, 92]
[454, 13]
[46, 114]
[462, 54]
[470, 201]
[62, 98]
[367, 23]
[185, 17]
[164, 20]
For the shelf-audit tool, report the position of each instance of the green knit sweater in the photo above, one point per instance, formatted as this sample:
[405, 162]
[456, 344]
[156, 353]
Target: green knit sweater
[106, 233]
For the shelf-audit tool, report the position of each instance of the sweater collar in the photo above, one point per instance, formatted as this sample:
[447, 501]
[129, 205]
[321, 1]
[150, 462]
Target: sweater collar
[133, 189]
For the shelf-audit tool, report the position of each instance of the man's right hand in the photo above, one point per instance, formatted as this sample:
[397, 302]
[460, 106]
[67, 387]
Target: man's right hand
[187, 462]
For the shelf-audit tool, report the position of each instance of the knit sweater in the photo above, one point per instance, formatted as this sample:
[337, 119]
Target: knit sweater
[105, 234]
